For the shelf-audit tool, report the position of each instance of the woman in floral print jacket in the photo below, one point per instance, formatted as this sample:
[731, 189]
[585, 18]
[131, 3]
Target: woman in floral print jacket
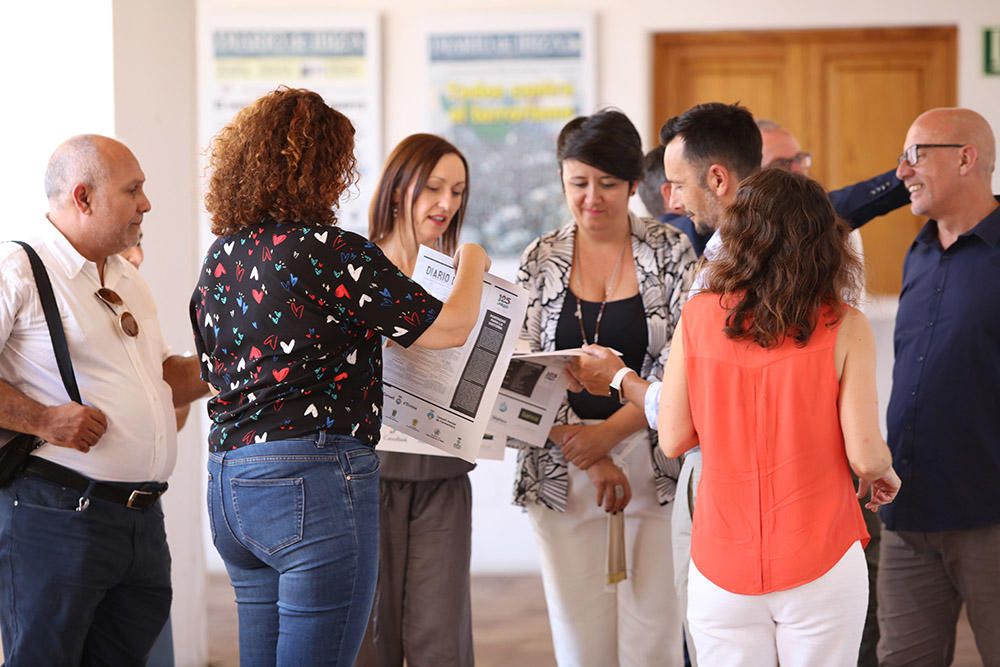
[612, 277]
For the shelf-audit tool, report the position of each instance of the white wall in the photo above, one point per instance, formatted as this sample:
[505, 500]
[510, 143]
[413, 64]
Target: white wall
[154, 87]
[58, 81]
[624, 44]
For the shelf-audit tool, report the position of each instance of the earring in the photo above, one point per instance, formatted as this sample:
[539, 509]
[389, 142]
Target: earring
[395, 211]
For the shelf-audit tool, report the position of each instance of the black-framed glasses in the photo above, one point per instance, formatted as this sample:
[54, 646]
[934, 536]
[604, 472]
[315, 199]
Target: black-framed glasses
[802, 158]
[126, 320]
[911, 154]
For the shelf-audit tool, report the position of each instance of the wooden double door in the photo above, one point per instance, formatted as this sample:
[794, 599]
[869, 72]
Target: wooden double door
[848, 95]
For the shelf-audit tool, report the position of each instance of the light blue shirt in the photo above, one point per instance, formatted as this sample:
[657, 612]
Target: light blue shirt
[651, 402]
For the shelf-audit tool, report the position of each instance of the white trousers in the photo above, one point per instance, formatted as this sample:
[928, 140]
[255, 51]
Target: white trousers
[817, 624]
[634, 623]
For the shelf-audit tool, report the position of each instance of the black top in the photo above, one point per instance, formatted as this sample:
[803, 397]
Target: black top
[287, 321]
[623, 327]
[943, 416]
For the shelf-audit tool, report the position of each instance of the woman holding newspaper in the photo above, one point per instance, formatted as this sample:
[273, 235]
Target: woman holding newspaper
[422, 605]
[289, 314]
[607, 276]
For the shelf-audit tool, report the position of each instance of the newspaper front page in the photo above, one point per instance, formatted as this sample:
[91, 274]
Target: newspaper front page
[444, 398]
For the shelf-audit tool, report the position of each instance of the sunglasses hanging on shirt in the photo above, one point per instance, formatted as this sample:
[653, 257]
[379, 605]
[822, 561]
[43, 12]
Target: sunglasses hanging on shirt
[126, 320]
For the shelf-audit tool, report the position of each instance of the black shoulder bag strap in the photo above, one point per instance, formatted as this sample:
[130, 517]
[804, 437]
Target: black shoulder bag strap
[54, 321]
[14, 455]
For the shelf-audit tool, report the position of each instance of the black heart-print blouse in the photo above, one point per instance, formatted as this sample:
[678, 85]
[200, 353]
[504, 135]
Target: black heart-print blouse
[288, 320]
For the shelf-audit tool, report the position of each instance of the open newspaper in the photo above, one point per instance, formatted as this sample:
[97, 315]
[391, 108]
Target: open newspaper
[440, 401]
[532, 391]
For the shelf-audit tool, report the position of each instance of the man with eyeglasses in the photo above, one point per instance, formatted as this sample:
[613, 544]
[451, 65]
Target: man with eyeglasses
[856, 204]
[781, 150]
[84, 564]
[941, 539]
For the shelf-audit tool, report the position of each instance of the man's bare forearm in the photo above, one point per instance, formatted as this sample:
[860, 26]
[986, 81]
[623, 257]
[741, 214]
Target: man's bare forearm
[626, 421]
[18, 412]
[184, 377]
[68, 425]
[634, 390]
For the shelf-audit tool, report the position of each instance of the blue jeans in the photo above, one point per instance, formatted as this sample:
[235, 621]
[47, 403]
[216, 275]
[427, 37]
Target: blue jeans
[89, 587]
[296, 522]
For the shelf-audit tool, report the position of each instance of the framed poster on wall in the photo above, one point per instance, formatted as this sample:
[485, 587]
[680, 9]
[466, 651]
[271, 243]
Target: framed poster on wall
[243, 55]
[500, 87]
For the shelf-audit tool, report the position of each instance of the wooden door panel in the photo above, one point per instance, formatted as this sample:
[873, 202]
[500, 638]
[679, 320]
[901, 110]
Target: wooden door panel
[869, 90]
[753, 74]
[849, 96]
[850, 151]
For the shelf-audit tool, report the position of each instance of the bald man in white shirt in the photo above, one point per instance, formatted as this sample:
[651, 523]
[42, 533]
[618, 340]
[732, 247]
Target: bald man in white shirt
[84, 564]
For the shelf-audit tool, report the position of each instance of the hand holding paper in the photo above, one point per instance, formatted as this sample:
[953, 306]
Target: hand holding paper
[595, 368]
[442, 397]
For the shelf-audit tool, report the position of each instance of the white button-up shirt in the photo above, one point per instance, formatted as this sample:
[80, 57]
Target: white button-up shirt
[120, 376]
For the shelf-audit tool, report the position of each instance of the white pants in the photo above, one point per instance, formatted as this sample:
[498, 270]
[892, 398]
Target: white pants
[817, 624]
[635, 623]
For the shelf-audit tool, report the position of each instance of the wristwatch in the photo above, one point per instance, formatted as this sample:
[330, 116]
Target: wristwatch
[616, 385]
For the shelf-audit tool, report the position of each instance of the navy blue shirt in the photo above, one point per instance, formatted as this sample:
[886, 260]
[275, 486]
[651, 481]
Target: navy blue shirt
[865, 200]
[944, 413]
[684, 223]
[857, 204]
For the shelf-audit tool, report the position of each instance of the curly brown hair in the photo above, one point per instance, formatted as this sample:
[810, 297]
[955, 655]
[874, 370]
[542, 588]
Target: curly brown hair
[784, 256]
[288, 157]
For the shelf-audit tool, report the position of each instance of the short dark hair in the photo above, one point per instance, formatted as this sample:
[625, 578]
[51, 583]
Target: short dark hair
[606, 140]
[411, 163]
[718, 133]
[784, 257]
[652, 178]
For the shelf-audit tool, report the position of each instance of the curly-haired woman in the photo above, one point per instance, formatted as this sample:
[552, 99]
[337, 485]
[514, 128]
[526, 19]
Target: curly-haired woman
[288, 313]
[773, 373]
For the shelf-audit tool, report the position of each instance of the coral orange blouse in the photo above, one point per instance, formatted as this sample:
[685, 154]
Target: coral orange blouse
[776, 506]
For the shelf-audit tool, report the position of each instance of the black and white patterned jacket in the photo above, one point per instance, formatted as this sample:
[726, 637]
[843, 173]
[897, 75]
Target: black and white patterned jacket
[665, 267]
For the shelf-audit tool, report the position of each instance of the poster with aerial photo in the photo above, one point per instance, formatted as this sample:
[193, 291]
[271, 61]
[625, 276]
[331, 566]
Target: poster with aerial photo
[243, 55]
[501, 92]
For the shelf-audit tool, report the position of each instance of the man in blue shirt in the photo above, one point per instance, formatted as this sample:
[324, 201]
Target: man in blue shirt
[941, 543]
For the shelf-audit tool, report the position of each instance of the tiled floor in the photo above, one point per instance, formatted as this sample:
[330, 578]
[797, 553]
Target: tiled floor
[511, 628]
[510, 625]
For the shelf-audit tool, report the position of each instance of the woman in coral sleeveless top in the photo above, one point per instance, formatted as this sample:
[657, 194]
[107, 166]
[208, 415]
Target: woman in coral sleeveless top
[772, 371]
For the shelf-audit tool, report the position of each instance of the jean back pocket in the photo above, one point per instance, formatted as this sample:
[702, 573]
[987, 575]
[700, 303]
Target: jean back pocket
[269, 511]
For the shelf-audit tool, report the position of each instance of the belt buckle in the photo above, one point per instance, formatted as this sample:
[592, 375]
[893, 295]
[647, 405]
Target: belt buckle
[134, 496]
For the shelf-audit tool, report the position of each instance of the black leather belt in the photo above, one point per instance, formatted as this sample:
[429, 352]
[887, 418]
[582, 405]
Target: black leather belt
[141, 496]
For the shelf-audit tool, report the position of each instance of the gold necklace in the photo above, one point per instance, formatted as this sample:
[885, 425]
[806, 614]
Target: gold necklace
[609, 289]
